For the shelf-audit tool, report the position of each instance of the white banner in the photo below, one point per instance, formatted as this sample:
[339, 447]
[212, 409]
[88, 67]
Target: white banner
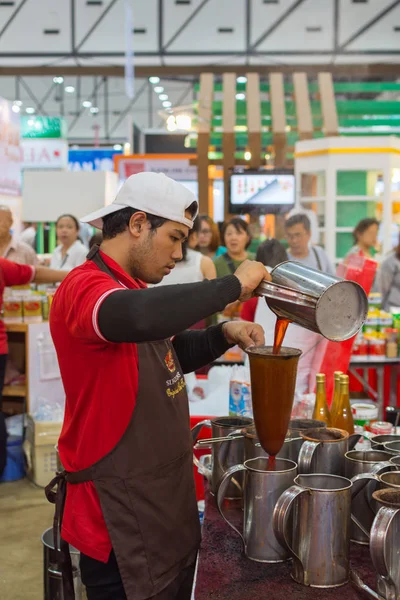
[44, 154]
[10, 154]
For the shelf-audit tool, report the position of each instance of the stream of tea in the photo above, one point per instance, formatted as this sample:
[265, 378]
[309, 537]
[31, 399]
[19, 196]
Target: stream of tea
[279, 335]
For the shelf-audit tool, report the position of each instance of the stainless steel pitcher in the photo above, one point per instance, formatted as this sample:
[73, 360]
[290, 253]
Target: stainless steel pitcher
[324, 449]
[312, 521]
[395, 460]
[323, 303]
[262, 488]
[225, 453]
[377, 441]
[384, 547]
[298, 426]
[358, 462]
[392, 447]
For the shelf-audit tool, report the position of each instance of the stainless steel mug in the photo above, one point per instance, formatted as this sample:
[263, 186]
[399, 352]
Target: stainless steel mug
[377, 441]
[323, 451]
[253, 449]
[312, 521]
[392, 447]
[262, 488]
[356, 463]
[384, 545]
[225, 453]
[317, 301]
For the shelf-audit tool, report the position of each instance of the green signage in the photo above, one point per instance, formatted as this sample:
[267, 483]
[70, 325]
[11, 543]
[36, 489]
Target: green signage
[35, 127]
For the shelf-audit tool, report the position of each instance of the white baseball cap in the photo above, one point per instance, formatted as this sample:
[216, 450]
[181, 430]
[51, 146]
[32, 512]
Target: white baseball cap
[155, 194]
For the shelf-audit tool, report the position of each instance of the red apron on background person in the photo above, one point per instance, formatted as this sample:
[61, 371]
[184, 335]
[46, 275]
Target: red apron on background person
[145, 484]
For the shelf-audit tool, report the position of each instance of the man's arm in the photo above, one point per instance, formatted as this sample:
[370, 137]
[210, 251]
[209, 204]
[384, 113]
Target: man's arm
[197, 348]
[160, 312]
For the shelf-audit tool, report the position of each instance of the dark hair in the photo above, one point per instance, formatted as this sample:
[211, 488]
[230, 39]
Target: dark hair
[117, 222]
[97, 238]
[362, 226]
[215, 233]
[75, 220]
[298, 219]
[271, 253]
[239, 225]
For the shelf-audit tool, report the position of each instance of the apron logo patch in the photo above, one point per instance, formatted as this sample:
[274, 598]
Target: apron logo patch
[169, 361]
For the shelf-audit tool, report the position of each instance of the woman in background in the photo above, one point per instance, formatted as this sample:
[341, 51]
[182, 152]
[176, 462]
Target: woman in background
[365, 236]
[389, 279]
[209, 239]
[237, 238]
[71, 252]
[272, 253]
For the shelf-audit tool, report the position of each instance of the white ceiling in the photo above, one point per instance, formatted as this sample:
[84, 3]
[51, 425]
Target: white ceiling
[178, 32]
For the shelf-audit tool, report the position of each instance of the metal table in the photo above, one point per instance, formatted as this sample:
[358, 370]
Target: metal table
[379, 363]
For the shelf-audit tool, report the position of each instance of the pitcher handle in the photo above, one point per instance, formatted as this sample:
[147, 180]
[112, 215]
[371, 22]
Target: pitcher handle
[280, 520]
[221, 491]
[195, 434]
[359, 482]
[306, 455]
[378, 550]
[353, 440]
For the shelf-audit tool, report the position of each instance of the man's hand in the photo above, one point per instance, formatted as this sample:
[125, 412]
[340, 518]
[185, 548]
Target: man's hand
[243, 333]
[250, 274]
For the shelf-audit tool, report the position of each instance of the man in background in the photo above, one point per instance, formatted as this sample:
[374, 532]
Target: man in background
[11, 249]
[298, 235]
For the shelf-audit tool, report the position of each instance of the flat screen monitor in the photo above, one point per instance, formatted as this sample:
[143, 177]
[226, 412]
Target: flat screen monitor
[262, 192]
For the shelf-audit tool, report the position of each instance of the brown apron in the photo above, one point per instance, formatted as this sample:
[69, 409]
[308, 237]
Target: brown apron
[145, 484]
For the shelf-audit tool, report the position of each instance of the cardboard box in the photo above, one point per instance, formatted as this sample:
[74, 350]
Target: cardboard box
[40, 450]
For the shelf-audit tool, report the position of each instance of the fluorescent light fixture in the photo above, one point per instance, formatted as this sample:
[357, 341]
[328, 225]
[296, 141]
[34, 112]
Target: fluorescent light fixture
[154, 80]
[58, 80]
[86, 104]
[69, 89]
[18, 102]
[117, 147]
[240, 96]
[167, 103]
[15, 108]
[159, 89]
[94, 110]
[241, 79]
[163, 97]
[30, 110]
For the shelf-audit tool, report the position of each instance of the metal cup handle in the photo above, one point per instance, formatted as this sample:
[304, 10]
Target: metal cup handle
[359, 482]
[195, 434]
[221, 491]
[280, 521]
[223, 452]
[306, 455]
[378, 548]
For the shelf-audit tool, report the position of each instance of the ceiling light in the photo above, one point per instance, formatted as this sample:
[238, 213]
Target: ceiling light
[241, 79]
[94, 110]
[69, 89]
[15, 108]
[30, 110]
[117, 147]
[86, 104]
[159, 89]
[58, 79]
[167, 103]
[18, 102]
[163, 96]
[154, 80]
[240, 96]
[184, 122]
[247, 155]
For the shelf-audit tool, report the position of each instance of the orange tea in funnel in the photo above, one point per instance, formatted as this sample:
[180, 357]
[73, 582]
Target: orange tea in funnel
[273, 381]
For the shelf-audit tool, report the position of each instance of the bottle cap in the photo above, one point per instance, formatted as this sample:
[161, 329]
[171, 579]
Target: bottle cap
[337, 374]
[321, 377]
[344, 378]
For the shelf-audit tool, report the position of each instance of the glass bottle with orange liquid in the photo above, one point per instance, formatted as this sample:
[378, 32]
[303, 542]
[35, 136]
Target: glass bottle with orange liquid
[321, 410]
[343, 417]
[336, 394]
